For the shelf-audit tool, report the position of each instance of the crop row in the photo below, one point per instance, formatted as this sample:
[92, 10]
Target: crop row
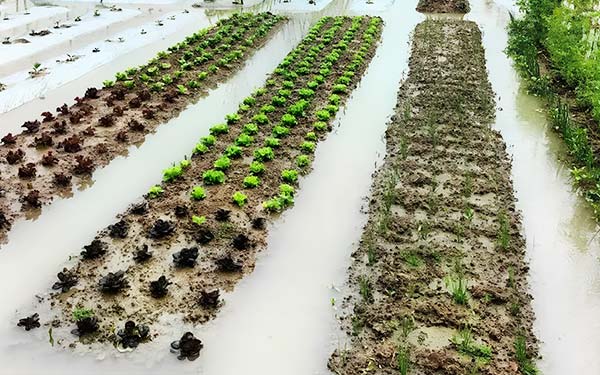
[200, 229]
[68, 144]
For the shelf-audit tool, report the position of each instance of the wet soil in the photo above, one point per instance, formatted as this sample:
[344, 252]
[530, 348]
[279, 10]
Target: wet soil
[59, 153]
[443, 6]
[439, 276]
[228, 241]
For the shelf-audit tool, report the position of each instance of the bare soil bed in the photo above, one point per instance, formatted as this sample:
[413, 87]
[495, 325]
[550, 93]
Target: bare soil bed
[443, 6]
[203, 226]
[440, 275]
[69, 143]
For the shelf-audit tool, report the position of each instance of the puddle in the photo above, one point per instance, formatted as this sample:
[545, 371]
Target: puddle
[68, 224]
[434, 338]
[562, 245]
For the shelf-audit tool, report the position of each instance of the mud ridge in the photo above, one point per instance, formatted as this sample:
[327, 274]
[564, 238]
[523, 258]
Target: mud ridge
[439, 278]
[443, 6]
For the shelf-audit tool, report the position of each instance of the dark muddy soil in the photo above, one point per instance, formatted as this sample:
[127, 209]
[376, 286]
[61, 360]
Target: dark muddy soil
[62, 150]
[443, 6]
[440, 275]
[164, 235]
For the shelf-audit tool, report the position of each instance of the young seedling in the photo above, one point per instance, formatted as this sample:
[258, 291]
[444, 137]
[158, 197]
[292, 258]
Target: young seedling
[198, 193]
[364, 285]
[239, 198]
[503, 236]
[403, 359]
[457, 286]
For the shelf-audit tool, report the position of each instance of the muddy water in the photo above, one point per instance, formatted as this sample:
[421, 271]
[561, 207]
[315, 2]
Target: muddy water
[68, 224]
[12, 120]
[558, 225]
[281, 318]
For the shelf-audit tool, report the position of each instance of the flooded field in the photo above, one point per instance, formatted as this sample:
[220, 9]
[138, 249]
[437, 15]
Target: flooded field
[259, 193]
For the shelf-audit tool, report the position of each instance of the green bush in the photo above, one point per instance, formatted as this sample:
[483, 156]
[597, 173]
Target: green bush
[173, 173]
[250, 129]
[257, 168]
[288, 120]
[198, 193]
[251, 181]
[308, 147]
[272, 142]
[213, 177]
[280, 131]
[223, 163]
[264, 154]
[209, 140]
[244, 140]
[219, 129]
[289, 175]
[233, 151]
[239, 198]
[302, 161]
[155, 191]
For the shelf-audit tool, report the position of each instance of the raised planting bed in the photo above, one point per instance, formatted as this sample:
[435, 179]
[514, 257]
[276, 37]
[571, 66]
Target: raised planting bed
[443, 6]
[439, 278]
[203, 225]
[69, 143]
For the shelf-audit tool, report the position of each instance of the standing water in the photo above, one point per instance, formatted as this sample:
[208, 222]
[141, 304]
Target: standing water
[29, 263]
[561, 234]
[281, 318]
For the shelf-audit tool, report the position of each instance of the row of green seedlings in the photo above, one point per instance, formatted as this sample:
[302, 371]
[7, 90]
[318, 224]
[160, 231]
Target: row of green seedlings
[207, 50]
[289, 120]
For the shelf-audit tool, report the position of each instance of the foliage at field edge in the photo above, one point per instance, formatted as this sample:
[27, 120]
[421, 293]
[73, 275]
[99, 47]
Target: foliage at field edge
[565, 36]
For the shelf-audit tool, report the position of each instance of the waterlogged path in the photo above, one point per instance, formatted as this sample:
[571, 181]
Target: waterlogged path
[562, 242]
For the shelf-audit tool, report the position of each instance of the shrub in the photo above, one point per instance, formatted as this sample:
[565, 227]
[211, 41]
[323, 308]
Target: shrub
[297, 109]
[339, 88]
[173, 173]
[320, 125]
[155, 191]
[219, 129]
[302, 161]
[233, 151]
[198, 193]
[239, 198]
[278, 101]
[272, 142]
[260, 119]
[198, 220]
[251, 181]
[223, 163]
[288, 120]
[267, 108]
[244, 140]
[250, 101]
[334, 99]
[208, 141]
[285, 93]
[289, 175]
[323, 115]
[264, 154]
[250, 129]
[332, 109]
[213, 177]
[308, 147]
[306, 93]
[257, 168]
[232, 118]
